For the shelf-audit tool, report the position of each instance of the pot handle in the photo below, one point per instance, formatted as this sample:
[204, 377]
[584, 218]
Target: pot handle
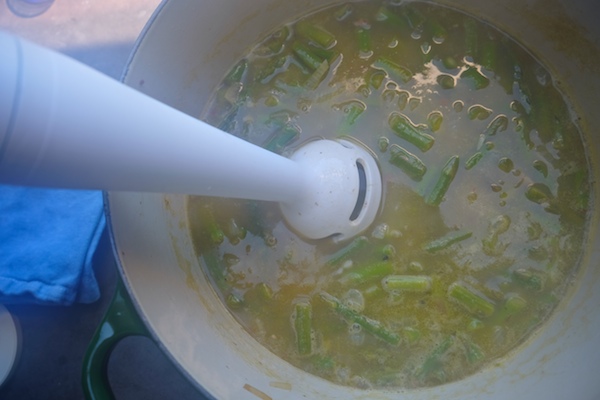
[121, 320]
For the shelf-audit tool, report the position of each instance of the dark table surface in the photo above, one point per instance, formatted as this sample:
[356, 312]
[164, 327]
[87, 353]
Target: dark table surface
[54, 339]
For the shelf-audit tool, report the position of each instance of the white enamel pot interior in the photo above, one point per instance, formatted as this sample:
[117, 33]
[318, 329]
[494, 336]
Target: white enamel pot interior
[183, 53]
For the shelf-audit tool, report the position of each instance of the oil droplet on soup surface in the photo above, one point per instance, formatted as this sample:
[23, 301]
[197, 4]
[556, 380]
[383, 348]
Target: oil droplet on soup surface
[485, 212]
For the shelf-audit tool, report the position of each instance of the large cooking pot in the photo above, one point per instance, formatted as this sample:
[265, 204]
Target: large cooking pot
[179, 59]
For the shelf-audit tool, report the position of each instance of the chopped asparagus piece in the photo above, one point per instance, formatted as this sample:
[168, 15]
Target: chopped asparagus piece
[372, 326]
[405, 129]
[471, 300]
[303, 327]
[407, 283]
[447, 175]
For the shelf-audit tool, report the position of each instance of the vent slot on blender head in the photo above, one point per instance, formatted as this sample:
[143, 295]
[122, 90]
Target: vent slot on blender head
[362, 191]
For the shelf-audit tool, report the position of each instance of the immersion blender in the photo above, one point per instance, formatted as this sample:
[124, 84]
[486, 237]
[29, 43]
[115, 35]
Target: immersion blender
[65, 125]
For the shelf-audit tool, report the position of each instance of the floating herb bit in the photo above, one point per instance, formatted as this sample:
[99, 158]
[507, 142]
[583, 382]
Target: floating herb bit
[435, 197]
[405, 129]
[407, 162]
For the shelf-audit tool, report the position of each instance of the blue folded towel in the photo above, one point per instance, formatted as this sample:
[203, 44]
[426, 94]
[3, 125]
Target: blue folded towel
[47, 241]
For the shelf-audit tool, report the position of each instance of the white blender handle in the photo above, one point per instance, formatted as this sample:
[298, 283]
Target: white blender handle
[63, 124]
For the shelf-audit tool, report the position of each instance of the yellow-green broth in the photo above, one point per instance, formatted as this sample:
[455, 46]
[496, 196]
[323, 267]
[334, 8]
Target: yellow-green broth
[517, 206]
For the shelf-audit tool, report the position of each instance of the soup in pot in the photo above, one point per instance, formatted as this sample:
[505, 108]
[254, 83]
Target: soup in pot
[485, 206]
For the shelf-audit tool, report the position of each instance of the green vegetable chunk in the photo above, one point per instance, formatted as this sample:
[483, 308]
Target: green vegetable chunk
[409, 163]
[434, 120]
[498, 124]
[372, 326]
[471, 300]
[473, 160]
[528, 278]
[306, 56]
[472, 351]
[447, 175]
[303, 327]
[433, 361]
[364, 41]
[282, 138]
[446, 241]
[348, 251]
[316, 33]
[407, 283]
[352, 110]
[365, 273]
[394, 71]
[317, 76]
[405, 129]
[446, 81]
[236, 74]
[479, 80]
